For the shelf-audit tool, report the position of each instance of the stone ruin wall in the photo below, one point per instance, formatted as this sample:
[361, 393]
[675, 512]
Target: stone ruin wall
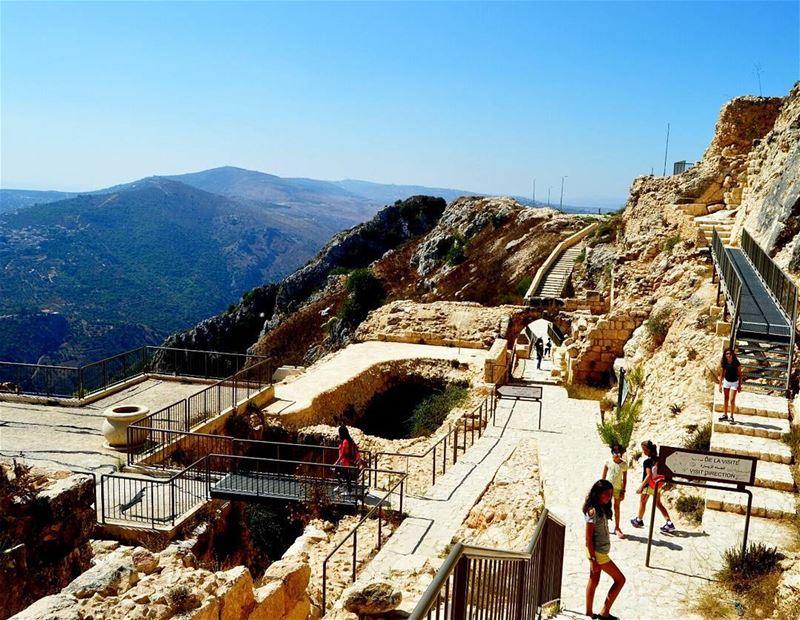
[44, 535]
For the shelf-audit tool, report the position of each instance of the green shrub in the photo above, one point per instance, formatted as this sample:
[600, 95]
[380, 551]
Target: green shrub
[341, 271]
[365, 293]
[619, 429]
[635, 378]
[792, 439]
[271, 529]
[670, 243]
[455, 255]
[657, 326]
[740, 570]
[524, 285]
[581, 257]
[691, 506]
[699, 438]
[430, 413]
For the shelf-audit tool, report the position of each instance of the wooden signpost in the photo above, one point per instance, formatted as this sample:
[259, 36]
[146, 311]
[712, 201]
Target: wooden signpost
[701, 469]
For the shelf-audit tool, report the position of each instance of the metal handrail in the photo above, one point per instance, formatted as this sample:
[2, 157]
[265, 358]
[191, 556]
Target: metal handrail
[730, 280]
[779, 285]
[455, 585]
[353, 532]
[78, 385]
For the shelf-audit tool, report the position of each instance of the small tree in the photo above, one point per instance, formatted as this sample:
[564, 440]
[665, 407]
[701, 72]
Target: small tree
[365, 293]
[619, 429]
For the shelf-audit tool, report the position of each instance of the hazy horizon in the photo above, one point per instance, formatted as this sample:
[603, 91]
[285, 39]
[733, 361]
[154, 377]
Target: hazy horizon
[479, 97]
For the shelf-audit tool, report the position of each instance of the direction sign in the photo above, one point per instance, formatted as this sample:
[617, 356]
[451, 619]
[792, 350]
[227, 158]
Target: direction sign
[520, 392]
[716, 466]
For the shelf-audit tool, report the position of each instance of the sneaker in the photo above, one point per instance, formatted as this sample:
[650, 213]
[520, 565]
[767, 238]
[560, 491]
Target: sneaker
[723, 418]
[637, 522]
[668, 527]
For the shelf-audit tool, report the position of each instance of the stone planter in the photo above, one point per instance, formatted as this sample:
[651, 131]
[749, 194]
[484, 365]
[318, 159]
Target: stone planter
[115, 426]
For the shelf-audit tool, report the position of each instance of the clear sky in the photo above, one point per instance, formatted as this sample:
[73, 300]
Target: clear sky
[477, 96]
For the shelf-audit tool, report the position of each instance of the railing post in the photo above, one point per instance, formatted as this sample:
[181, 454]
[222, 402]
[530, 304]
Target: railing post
[455, 444]
[105, 375]
[355, 552]
[80, 382]
[460, 579]
[172, 500]
[102, 499]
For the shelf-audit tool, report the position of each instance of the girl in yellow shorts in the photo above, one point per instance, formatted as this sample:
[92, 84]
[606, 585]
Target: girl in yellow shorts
[597, 512]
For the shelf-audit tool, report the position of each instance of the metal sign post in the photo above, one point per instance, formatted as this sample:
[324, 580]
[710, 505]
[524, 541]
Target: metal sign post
[696, 469]
[529, 393]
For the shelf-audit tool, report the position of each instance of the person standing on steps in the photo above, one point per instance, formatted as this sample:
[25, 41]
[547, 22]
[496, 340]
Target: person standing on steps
[730, 383]
[649, 478]
[616, 472]
[539, 346]
[597, 513]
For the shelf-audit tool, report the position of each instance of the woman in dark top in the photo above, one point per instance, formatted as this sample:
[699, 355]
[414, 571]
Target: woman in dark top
[649, 478]
[730, 382]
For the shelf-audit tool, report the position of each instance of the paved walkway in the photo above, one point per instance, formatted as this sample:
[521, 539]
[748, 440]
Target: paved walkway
[571, 460]
[70, 437]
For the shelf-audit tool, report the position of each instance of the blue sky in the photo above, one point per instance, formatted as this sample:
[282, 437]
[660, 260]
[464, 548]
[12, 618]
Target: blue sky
[478, 96]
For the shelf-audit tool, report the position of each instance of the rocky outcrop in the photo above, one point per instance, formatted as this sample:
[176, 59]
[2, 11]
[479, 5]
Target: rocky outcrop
[46, 519]
[134, 584]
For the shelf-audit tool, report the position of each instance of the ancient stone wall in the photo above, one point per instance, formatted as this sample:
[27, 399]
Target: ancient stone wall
[45, 525]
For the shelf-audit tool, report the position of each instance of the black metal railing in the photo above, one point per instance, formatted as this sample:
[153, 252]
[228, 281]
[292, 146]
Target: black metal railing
[476, 582]
[777, 282]
[82, 381]
[730, 280]
[151, 501]
[186, 414]
[444, 452]
[377, 511]
[556, 335]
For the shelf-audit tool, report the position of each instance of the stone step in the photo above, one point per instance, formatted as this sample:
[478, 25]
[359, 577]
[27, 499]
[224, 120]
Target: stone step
[759, 447]
[768, 503]
[754, 426]
[774, 476]
[750, 403]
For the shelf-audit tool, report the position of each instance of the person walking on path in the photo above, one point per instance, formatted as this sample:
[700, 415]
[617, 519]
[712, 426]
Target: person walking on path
[649, 478]
[347, 462]
[615, 471]
[597, 512]
[547, 348]
[539, 346]
[730, 382]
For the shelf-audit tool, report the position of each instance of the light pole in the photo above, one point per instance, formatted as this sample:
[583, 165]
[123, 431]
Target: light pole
[561, 200]
[534, 192]
[548, 195]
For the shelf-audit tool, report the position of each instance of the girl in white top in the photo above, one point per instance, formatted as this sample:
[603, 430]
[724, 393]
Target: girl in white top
[616, 471]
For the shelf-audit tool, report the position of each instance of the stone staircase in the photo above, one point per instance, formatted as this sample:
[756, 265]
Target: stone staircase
[721, 220]
[554, 283]
[761, 420]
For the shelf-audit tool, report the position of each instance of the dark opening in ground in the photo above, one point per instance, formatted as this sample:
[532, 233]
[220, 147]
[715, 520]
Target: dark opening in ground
[414, 407]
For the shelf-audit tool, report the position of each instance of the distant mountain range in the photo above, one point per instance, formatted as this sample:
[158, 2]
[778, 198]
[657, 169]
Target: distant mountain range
[96, 273]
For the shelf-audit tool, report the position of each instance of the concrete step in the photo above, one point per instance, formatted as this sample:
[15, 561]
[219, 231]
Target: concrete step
[754, 426]
[768, 503]
[759, 447]
[774, 476]
[750, 403]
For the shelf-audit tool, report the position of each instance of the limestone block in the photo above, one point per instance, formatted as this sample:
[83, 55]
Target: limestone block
[112, 576]
[723, 328]
[270, 602]
[208, 610]
[294, 573]
[694, 208]
[235, 593]
[301, 611]
[57, 606]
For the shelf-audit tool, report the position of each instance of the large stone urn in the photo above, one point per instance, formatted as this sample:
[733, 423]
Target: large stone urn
[115, 426]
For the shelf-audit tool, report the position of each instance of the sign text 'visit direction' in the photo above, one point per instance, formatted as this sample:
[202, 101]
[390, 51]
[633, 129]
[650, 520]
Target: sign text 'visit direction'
[716, 466]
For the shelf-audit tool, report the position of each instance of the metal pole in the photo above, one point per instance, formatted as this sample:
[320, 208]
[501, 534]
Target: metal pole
[666, 150]
[619, 388]
[460, 578]
[652, 522]
[747, 519]
[561, 200]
